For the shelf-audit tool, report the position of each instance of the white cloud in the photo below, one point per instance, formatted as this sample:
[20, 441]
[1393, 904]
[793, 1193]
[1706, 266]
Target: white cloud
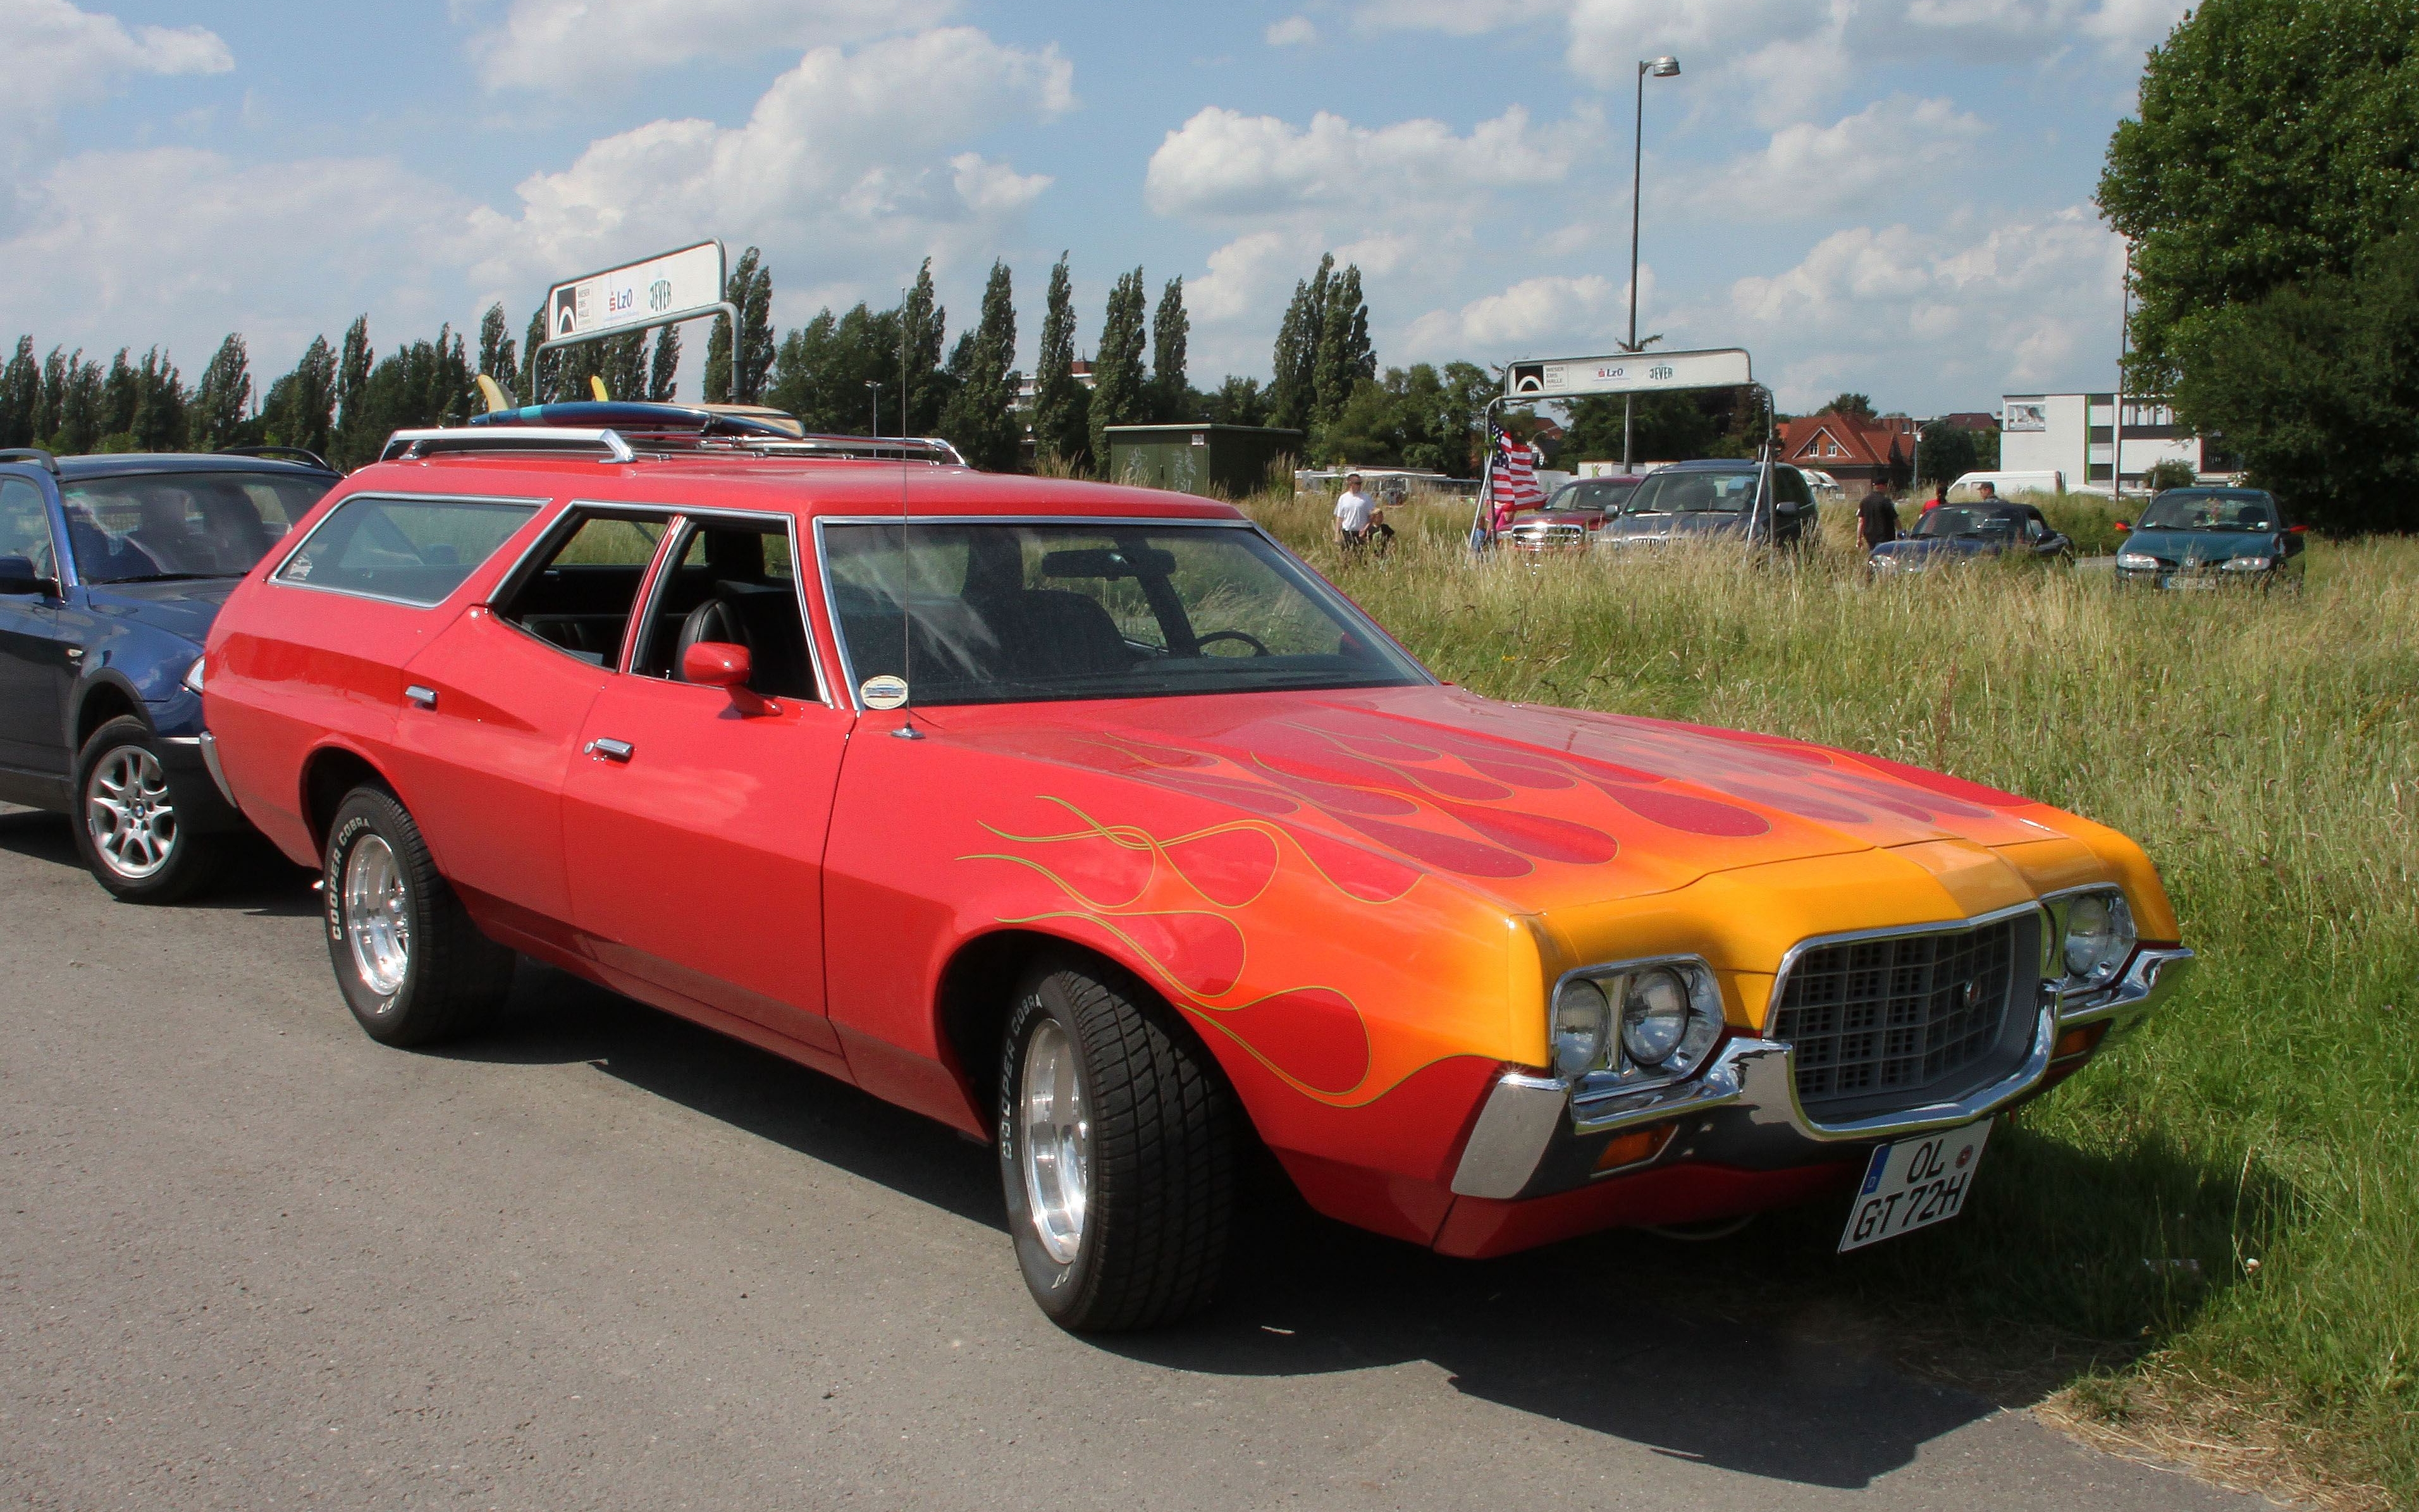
[1581, 311]
[1874, 155]
[177, 246]
[1975, 309]
[1294, 31]
[834, 159]
[1224, 163]
[562, 45]
[60, 55]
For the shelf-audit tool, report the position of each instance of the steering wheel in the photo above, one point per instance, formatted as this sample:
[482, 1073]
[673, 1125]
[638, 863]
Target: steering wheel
[1202, 643]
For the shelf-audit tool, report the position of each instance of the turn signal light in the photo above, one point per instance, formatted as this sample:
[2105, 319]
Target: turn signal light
[1635, 1147]
[2080, 1041]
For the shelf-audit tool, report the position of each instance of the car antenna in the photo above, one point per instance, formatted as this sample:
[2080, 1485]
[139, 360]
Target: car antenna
[906, 730]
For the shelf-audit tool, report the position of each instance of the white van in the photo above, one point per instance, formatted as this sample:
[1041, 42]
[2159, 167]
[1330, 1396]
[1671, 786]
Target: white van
[1970, 486]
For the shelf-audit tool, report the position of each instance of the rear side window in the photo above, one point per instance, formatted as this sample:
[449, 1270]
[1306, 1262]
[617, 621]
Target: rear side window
[412, 551]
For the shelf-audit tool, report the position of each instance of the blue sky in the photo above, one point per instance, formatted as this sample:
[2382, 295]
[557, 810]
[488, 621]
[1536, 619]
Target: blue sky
[1889, 195]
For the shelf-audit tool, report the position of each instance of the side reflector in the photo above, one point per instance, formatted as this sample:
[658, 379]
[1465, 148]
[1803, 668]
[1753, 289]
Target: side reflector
[1635, 1145]
[2080, 1041]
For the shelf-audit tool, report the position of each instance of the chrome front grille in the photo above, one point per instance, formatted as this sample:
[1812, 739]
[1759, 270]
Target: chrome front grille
[1549, 537]
[1900, 1014]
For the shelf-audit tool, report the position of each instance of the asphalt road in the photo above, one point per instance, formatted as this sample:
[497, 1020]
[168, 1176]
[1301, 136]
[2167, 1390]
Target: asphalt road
[598, 1258]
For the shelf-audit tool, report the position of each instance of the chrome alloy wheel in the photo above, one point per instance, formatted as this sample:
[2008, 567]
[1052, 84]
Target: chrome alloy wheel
[128, 813]
[376, 927]
[1056, 1146]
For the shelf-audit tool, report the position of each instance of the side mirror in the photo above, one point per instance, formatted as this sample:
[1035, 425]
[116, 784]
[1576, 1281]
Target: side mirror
[17, 577]
[2122, 527]
[721, 664]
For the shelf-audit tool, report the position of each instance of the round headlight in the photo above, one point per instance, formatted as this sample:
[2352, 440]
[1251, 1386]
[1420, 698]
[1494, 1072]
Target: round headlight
[1580, 1019]
[2099, 936]
[1653, 1016]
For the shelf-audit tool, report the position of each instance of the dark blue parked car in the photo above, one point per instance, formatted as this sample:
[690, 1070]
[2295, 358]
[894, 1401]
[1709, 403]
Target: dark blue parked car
[2210, 537]
[1966, 533]
[110, 570]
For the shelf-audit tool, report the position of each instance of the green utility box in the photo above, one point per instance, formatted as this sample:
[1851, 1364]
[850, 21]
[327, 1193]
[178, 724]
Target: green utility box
[1229, 460]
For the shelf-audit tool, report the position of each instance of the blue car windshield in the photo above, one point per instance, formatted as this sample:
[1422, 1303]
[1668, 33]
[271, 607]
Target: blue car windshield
[156, 527]
[2210, 509]
[1693, 493]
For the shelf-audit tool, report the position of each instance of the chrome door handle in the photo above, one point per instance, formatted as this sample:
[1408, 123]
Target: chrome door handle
[609, 751]
[425, 697]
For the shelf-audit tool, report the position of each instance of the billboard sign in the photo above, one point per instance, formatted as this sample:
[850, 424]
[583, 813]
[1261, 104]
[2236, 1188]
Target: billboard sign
[1627, 372]
[2025, 414]
[675, 285]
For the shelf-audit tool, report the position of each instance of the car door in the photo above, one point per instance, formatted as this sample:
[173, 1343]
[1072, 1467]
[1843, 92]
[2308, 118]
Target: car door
[694, 820]
[35, 666]
[493, 710]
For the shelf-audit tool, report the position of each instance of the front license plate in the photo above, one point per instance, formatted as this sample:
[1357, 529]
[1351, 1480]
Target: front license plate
[1914, 1183]
[2190, 584]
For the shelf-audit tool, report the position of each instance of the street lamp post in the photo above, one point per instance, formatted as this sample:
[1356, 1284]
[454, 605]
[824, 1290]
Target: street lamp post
[873, 423]
[1661, 67]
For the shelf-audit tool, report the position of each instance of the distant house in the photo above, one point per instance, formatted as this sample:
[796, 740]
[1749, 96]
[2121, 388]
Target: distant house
[1853, 449]
[1973, 420]
[1026, 383]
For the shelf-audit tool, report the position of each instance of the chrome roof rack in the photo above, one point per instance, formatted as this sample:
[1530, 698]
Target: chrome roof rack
[405, 445]
[931, 449]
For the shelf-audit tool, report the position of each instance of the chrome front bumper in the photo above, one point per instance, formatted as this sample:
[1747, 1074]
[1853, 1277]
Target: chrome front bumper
[1539, 1134]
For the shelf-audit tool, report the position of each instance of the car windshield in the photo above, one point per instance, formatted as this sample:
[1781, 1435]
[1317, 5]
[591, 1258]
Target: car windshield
[156, 527]
[1591, 494]
[2209, 509]
[1693, 493]
[1952, 519]
[1011, 613]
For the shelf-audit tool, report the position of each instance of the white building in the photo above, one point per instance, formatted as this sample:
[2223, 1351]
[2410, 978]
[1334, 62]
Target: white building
[2078, 436]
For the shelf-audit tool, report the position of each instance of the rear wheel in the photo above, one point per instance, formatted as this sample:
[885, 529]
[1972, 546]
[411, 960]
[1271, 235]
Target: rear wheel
[129, 827]
[1117, 1144]
[413, 967]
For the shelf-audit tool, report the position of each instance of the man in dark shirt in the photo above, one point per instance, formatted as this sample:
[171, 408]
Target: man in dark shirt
[1877, 519]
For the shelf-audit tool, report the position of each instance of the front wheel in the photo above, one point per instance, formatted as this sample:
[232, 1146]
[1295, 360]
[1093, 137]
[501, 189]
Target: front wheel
[413, 967]
[130, 828]
[1118, 1148]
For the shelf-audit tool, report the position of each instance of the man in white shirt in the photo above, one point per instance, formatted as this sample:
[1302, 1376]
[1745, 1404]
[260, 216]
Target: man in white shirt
[1358, 523]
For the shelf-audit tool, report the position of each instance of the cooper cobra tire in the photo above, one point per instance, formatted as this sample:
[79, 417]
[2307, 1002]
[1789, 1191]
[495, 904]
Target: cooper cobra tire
[412, 967]
[126, 820]
[1118, 1151]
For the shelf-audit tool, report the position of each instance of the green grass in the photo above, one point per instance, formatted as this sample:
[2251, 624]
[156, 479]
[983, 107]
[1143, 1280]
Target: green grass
[2266, 751]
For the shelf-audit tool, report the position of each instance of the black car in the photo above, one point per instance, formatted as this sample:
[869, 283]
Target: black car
[1965, 532]
[1713, 500]
[110, 570]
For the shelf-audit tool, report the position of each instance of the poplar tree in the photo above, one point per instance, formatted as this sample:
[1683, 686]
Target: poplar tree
[1120, 387]
[222, 396]
[750, 289]
[497, 358]
[21, 395]
[300, 408]
[353, 441]
[622, 365]
[663, 372]
[1345, 356]
[1061, 423]
[1294, 390]
[980, 418]
[1170, 328]
[926, 385]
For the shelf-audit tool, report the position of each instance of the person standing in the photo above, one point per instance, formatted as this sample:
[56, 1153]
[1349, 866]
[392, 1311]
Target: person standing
[1939, 497]
[1354, 511]
[1876, 519]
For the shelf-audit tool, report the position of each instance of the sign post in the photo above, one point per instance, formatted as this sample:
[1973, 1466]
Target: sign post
[661, 291]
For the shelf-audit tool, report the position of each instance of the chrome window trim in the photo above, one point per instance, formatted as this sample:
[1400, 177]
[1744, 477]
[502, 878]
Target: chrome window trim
[276, 576]
[839, 639]
[553, 536]
[663, 565]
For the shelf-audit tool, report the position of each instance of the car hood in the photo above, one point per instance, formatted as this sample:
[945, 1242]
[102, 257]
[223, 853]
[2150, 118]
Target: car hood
[1918, 547]
[180, 609]
[1669, 527]
[2192, 548]
[1536, 808]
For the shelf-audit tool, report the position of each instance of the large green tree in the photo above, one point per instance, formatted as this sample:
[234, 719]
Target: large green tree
[21, 395]
[497, 358]
[220, 400]
[663, 368]
[1171, 331]
[1061, 404]
[1345, 358]
[981, 418]
[299, 409]
[831, 372]
[2316, 386]
[750, 289]
[1293, 391]
[1120, 383]
[2276, 141]
[924, 328]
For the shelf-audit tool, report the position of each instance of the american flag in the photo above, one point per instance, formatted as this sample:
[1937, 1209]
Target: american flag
[1512, 482]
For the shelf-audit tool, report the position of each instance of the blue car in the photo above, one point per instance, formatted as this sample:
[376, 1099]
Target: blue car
[1954, 533]
[110, 570]
[2211, 538]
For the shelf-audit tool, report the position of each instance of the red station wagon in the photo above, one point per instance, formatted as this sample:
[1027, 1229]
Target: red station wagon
[1090, 821]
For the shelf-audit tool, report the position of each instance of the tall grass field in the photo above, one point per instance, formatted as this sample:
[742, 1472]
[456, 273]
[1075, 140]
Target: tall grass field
[2210, 1237]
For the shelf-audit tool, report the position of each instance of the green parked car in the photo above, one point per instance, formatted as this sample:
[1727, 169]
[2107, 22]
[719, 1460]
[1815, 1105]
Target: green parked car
[2210, 537]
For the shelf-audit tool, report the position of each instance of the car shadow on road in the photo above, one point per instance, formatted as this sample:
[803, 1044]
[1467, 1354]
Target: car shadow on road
[1568, 1334]
[257, 881]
